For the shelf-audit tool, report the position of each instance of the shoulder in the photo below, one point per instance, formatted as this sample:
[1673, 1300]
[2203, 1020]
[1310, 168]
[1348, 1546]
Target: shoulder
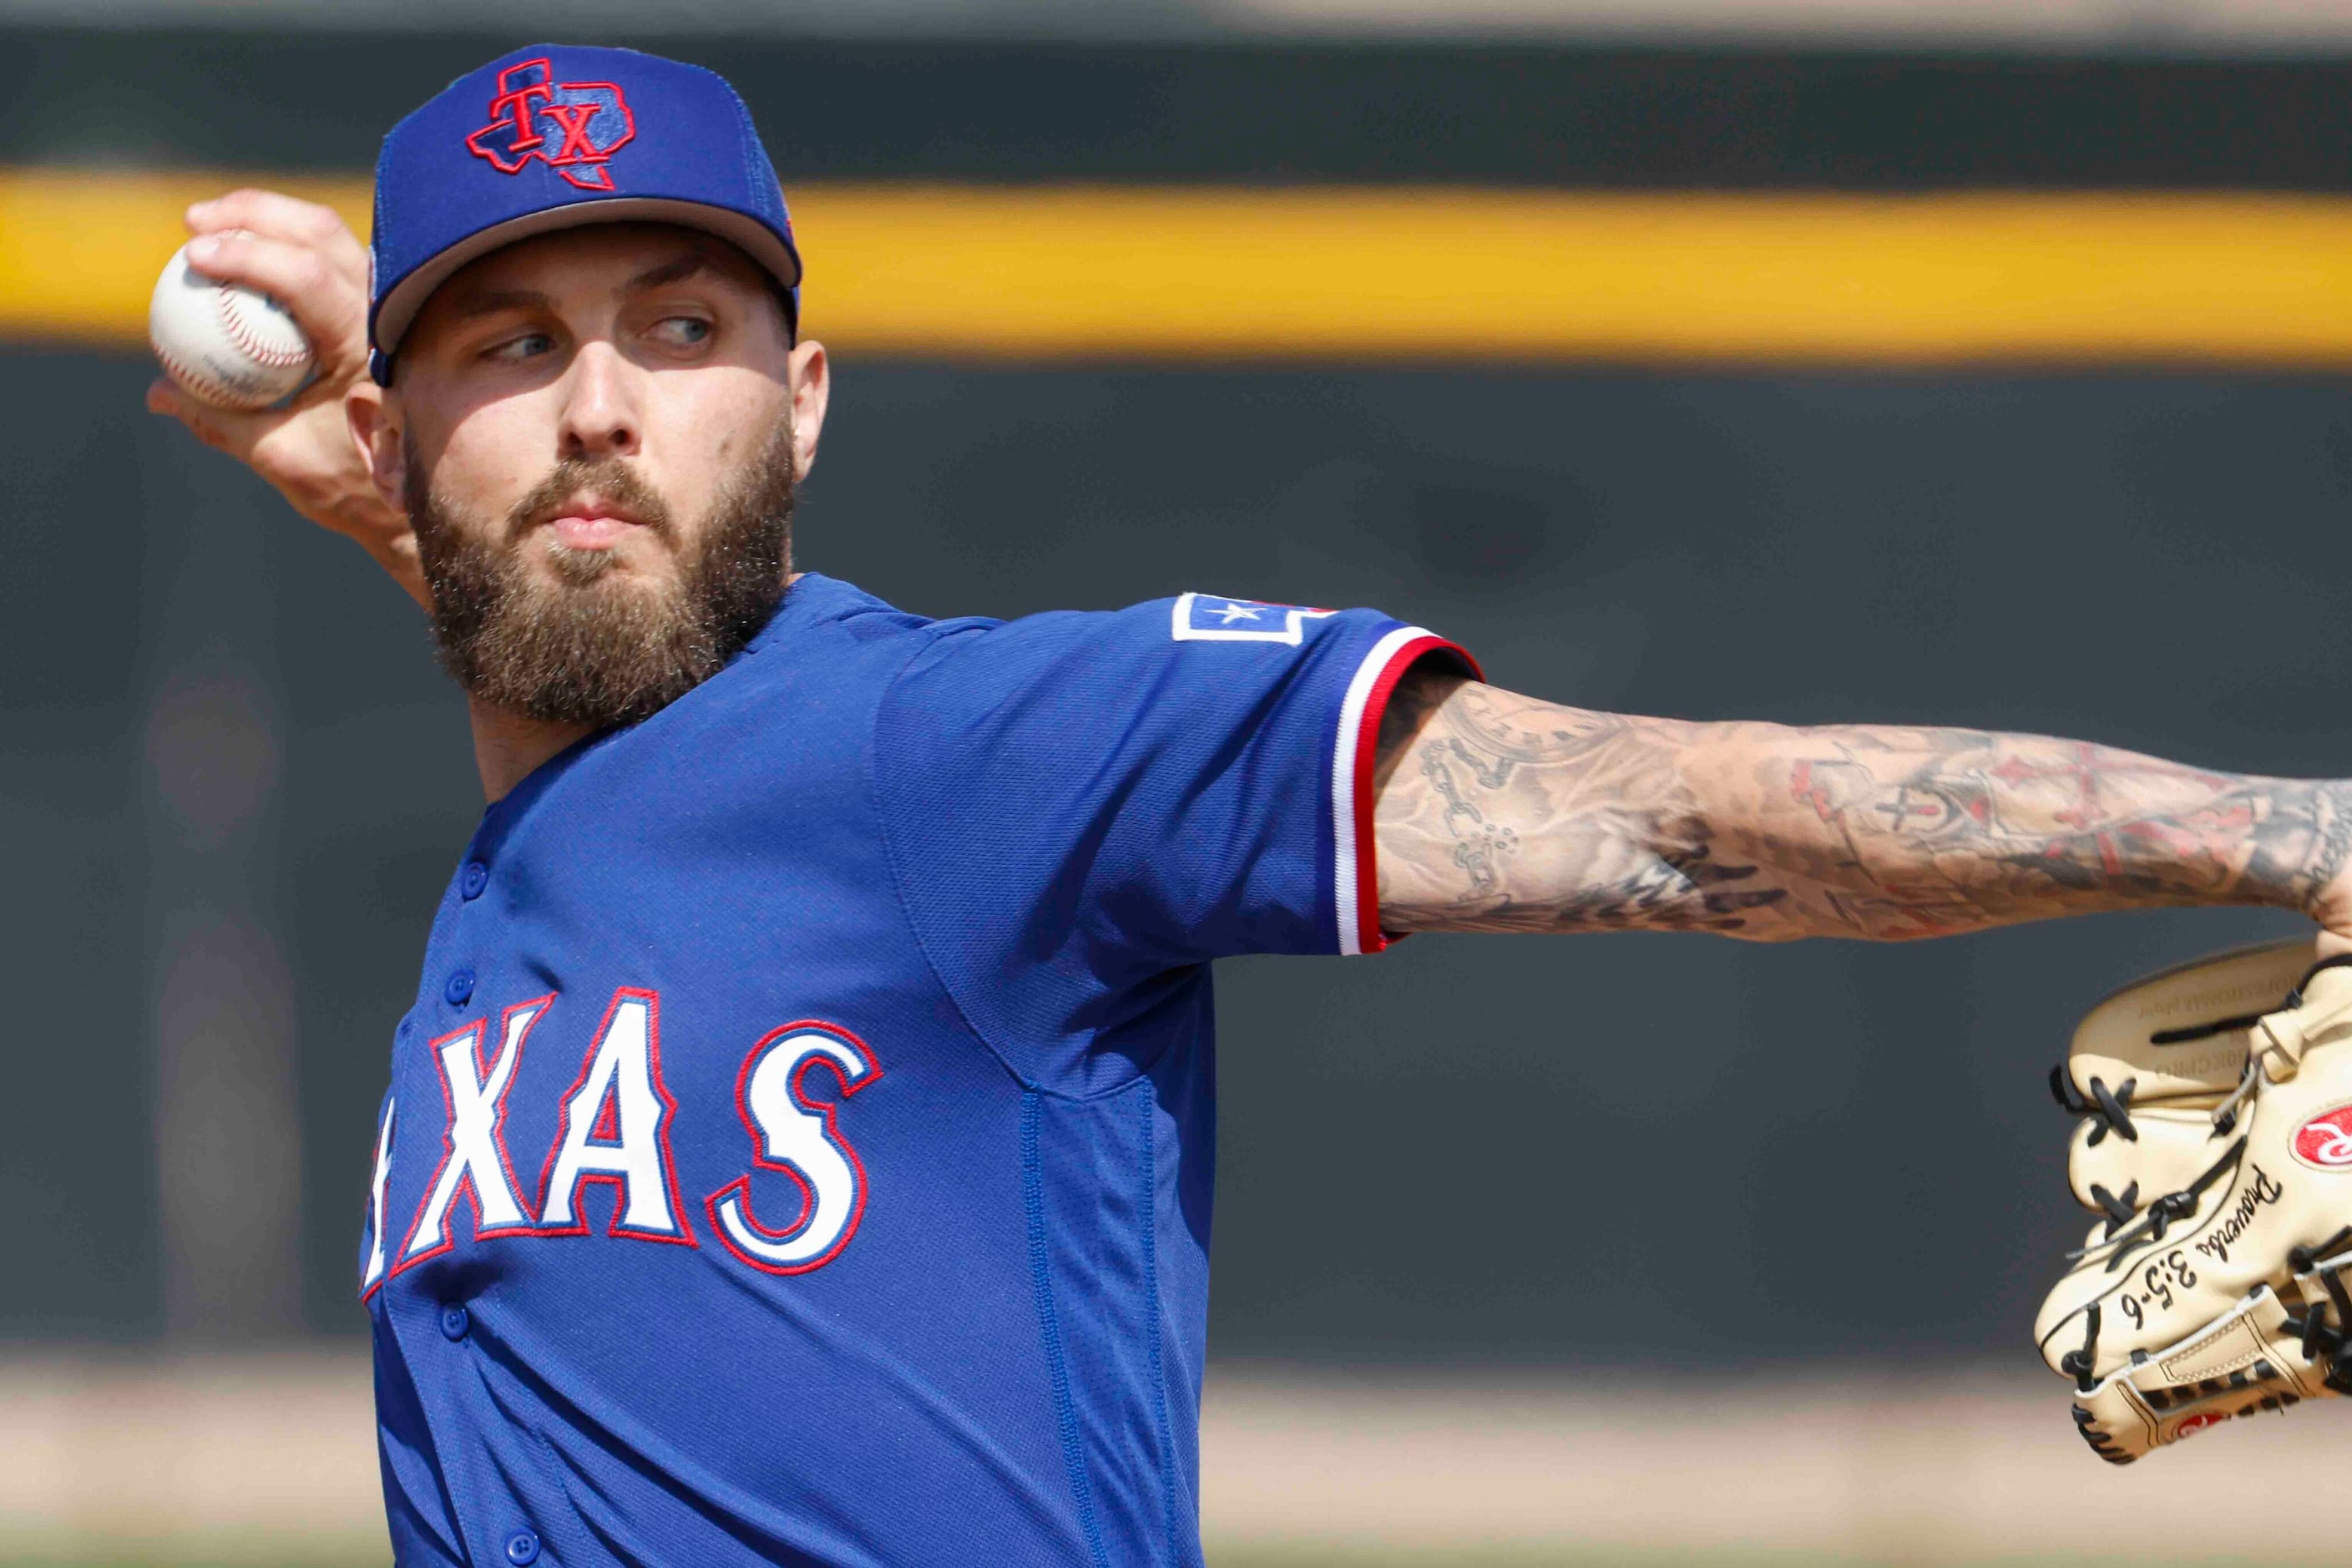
[821, 667]
[827, 627]
[1191, 671]
[1208, 635]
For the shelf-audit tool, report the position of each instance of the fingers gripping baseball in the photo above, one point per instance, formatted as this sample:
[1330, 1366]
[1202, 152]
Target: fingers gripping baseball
[303, 255]
[2216, 1099]
[266, 215]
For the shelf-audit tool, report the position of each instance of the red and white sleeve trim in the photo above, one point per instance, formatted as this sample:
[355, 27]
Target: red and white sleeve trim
[1356, 876]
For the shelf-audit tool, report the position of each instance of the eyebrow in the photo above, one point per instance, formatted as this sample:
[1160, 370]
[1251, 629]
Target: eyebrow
[491, 301]
[672, 271]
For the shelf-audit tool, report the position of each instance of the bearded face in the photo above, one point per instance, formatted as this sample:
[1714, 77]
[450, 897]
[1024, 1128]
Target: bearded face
[528, 623]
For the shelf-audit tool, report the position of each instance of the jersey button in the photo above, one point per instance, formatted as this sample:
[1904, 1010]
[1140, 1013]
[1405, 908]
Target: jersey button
[454, 1322]
[522, 1549]
[460, 987]
[473, 880]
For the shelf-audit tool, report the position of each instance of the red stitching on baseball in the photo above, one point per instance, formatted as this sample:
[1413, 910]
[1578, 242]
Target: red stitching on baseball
[187, 376]
[207, 388]
[231, 312]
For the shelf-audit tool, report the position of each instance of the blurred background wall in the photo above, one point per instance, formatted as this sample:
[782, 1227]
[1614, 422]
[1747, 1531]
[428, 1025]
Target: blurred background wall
[1975, 365]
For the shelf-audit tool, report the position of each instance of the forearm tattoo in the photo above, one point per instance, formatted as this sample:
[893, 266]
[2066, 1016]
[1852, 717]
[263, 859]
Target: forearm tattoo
[1501, 812]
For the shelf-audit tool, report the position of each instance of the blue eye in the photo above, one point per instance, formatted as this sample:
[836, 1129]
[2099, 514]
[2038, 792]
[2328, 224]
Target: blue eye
[683, 331]
[526, 346]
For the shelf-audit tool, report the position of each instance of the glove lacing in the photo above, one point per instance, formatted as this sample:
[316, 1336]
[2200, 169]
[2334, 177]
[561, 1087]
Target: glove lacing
[2321, 1337]
[2109, 1111]
[2112, 1110]
[2124, 1239]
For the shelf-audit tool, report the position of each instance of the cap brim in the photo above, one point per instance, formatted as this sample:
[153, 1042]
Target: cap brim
[754, 238]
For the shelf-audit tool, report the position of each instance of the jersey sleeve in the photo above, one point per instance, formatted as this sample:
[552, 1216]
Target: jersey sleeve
[1107, 795]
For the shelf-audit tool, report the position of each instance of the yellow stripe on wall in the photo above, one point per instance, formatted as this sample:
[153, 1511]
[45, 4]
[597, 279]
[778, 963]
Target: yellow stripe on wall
[1429, 274]
[79, 250]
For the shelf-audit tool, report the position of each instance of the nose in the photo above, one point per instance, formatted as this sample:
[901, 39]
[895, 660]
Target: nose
[600, 415]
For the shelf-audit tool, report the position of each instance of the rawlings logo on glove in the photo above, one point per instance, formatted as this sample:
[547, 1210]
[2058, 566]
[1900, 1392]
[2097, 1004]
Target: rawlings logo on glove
[2216, 1144]
[2324, 1143]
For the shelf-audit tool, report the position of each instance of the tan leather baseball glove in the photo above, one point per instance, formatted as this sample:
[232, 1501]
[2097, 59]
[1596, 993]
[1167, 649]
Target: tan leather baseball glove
[2216, 1146]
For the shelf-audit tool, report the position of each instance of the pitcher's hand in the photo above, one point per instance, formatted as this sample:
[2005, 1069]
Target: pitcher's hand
[306, 257]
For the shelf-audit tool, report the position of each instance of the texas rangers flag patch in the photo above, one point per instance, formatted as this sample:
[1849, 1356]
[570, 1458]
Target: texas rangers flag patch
[1207, 618]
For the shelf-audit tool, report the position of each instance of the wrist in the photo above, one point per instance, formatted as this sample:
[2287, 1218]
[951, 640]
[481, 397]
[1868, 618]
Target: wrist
[2324, 889]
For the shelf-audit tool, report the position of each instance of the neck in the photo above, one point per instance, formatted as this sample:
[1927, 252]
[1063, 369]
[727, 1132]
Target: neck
[508, 747]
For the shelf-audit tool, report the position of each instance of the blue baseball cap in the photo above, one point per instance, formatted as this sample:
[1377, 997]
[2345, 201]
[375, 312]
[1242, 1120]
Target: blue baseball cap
[554, 137]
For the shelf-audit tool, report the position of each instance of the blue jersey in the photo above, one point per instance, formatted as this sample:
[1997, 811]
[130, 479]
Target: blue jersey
[800, 1149]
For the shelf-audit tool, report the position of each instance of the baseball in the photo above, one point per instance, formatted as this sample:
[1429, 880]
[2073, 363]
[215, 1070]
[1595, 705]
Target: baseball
[223, 343]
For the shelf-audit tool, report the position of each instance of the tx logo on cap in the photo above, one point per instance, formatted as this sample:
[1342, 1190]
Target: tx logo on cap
[574, 127]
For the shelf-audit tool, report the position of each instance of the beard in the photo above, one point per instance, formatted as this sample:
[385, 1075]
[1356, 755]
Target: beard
[600, 644]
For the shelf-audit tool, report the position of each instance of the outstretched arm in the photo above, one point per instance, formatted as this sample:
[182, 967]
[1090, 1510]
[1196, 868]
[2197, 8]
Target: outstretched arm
[1500, 813]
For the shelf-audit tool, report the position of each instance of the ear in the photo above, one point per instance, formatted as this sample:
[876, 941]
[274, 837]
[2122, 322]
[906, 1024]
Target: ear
[374, 426]
[809, 374]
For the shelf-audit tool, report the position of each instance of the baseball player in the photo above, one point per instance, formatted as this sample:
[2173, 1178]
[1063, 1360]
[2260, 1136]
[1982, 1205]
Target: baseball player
[800, 1148]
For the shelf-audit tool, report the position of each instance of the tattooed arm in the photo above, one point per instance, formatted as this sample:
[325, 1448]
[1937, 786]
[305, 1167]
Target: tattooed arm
[1501, 812]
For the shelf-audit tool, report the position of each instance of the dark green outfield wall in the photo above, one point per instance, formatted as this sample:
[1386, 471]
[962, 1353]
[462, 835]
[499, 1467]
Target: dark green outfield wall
[1491, 115]
[1607, 1147]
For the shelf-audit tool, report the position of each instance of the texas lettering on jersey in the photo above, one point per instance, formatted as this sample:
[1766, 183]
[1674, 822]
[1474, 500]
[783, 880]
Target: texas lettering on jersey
[614, 1129]
[798, 1146]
